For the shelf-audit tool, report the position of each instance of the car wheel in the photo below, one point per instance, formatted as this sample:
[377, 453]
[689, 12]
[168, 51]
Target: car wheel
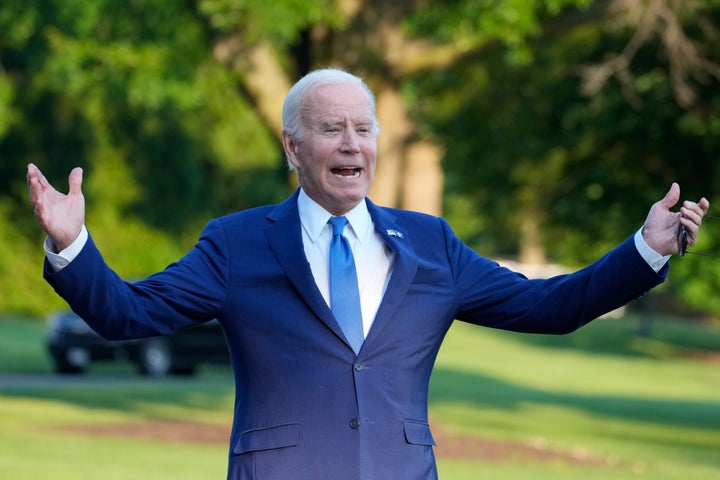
[64, 365]
[155, 357]
[184, 370]
[71, 361]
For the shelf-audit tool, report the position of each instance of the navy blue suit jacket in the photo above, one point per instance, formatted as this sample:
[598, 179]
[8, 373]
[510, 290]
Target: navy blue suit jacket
[306, 406]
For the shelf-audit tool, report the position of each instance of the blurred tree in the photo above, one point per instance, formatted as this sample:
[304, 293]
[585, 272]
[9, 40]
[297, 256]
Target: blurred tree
[549, 174]
[373, 39]
[173, 109]
[129, 92]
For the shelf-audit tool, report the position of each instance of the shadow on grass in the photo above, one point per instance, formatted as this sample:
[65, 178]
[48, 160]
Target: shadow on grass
[144, 396]
[633, 336]
[215, 392]
[454, 386]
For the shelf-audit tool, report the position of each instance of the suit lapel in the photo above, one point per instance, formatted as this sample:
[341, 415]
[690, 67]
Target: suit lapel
[285, 239]
[404, 268]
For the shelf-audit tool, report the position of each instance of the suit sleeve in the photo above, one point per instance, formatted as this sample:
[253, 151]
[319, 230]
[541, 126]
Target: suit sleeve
[188, 291]
[494, 296]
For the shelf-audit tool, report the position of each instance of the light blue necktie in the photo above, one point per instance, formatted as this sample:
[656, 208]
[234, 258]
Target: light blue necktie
[344, 292]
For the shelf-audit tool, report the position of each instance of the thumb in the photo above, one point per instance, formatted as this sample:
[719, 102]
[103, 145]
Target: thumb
[671, 197]
[75, 181]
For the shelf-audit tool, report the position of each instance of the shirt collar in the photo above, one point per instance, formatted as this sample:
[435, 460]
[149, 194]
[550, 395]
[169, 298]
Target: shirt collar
[314, 218]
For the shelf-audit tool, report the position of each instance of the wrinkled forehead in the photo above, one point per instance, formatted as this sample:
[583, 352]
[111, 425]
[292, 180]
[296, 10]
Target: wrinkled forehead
[338, 103]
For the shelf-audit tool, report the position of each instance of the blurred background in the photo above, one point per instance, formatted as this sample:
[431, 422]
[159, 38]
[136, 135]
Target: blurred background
[542, 130]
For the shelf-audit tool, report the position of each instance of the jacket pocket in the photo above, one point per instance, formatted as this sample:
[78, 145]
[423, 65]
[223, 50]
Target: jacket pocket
[418, 433]
[268, 438]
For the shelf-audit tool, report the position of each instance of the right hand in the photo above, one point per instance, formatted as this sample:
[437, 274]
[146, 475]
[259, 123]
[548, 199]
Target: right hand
[61, 216]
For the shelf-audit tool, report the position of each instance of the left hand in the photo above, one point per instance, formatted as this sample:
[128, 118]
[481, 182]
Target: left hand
[661, 227]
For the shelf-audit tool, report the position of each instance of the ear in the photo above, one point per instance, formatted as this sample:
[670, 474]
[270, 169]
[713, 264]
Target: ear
[291, 148]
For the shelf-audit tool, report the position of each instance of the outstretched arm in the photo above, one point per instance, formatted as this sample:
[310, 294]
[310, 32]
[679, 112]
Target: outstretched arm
[661, 227]
[61, 216]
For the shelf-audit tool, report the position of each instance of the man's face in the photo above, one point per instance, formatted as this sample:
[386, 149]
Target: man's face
[335, 158]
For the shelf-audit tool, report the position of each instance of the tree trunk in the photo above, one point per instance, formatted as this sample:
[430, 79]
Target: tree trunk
[531, 246]
[423, 178]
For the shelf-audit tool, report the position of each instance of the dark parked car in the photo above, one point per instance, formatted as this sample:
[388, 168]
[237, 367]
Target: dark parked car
[73, 346]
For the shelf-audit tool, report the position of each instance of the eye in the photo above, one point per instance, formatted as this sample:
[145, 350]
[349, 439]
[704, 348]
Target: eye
[331, 128]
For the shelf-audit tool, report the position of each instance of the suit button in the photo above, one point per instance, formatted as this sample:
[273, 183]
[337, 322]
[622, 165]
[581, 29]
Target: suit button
[354, 423]
[359, 366]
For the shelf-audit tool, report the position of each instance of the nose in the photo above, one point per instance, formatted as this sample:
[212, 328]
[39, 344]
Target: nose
[350, 141]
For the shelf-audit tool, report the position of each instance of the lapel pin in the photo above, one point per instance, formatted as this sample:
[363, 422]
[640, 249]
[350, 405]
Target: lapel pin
[394, 233]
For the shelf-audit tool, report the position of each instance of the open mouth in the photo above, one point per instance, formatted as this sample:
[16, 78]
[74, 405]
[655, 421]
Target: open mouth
[347, 172]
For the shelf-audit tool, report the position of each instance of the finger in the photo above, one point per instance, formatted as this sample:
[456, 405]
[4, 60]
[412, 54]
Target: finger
[671, 197]
[75, 181]
[692, 216]
[31, 170]
[34, 179]
[704, 205]
[42, 180]
[30, 179]
[37, 182]
[32, 175]
[696, 211]
[691, 224]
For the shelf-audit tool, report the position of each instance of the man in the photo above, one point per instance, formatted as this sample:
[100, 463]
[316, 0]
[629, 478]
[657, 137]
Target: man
[316, 399]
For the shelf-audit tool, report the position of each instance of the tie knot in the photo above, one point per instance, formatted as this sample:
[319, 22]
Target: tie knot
[338, 224]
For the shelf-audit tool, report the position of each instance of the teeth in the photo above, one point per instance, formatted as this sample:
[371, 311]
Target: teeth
[345, 172]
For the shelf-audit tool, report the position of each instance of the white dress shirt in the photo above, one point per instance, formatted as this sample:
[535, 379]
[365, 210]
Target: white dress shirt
[373, 259]
[653, 258]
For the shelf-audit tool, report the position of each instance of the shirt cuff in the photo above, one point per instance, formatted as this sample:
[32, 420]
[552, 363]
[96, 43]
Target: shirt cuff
[653, 258]
[60, 260]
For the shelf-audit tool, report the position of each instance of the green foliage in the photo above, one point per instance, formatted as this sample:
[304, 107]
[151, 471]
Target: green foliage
[169, 137]
[129, 92]
[700, 280]
[6, 94]
[522, 141]
[477, 23]
[278, 21]
[19, 279]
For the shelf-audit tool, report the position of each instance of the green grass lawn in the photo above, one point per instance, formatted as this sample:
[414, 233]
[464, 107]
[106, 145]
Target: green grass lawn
[601, 403]
[630, 407]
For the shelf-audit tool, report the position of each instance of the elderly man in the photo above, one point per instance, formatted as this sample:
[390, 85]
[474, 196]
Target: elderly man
[334, 308]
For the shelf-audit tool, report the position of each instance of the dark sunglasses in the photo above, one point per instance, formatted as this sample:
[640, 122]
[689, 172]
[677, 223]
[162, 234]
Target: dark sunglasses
[683, 241]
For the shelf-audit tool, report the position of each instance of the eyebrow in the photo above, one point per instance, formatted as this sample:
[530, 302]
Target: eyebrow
[334, 122]
[330, 123]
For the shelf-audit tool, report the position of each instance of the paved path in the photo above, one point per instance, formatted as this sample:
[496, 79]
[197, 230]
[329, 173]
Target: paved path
[25, 381]
[51, 380]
